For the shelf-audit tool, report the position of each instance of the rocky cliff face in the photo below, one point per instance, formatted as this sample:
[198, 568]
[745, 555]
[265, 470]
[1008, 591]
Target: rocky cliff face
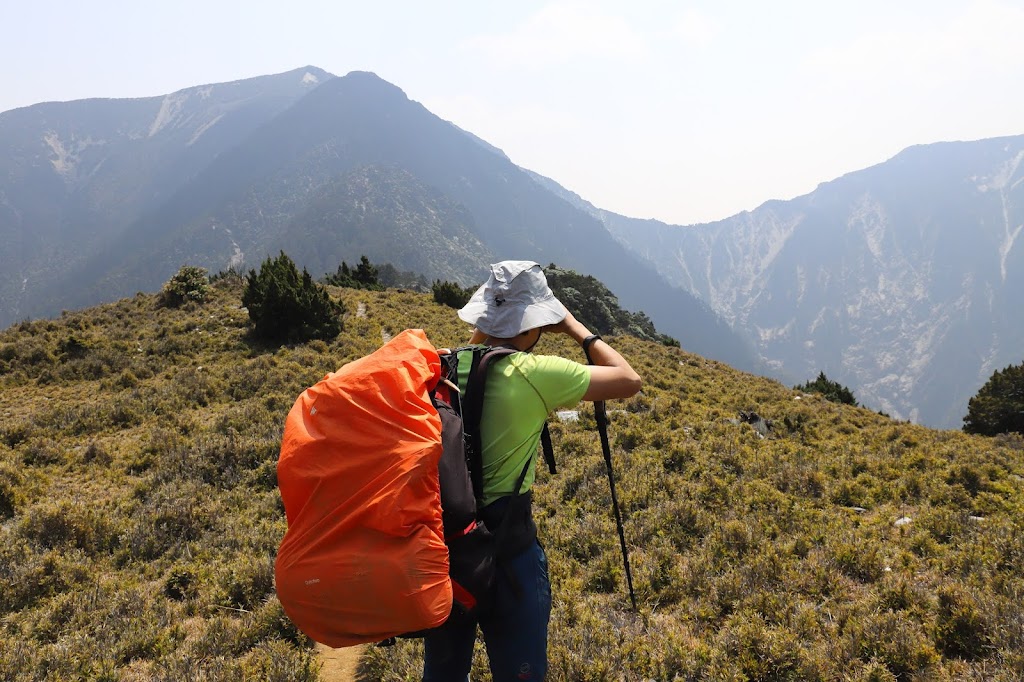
[900, 281]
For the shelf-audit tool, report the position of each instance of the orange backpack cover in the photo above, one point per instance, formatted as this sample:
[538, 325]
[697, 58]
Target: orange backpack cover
[364, 557]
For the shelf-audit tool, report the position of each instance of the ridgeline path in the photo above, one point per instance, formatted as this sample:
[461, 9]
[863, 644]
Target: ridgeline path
[340, 665]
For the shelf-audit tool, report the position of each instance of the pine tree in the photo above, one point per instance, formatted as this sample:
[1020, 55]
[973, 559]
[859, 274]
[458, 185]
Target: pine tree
[998, 406]
[832, 390]
[287, 307]
[342, 277]
[451, 294]
[364, 276]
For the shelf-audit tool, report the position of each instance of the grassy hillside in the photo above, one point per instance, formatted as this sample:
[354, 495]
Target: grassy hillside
[140, 515]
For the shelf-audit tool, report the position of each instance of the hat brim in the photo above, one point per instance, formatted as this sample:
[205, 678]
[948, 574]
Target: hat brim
[511, 320]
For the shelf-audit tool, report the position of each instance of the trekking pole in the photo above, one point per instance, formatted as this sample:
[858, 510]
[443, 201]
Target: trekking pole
[601, 415]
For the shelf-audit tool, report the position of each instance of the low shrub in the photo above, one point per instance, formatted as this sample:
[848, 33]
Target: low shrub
[190, 283]
[58, 525]
[961, 630]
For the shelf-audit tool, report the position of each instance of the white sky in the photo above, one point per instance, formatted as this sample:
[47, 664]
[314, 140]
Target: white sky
[676, 110]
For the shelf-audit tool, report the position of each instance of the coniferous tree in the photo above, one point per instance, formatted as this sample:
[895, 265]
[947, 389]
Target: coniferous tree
[364, 276]
[342, 277]
[287, 307]
[832, 390]
[998, 406]
[451, 294]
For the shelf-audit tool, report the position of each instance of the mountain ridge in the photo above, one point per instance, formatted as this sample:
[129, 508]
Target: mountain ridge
[897, 279]
[75, 176]
[245, 202]
[866, 278]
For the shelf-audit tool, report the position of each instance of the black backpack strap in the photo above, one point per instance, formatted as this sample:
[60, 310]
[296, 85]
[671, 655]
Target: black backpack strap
[472, 410]
[549, 451]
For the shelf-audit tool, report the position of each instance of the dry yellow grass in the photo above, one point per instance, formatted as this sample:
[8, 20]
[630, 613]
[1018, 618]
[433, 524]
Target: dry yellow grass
[140, 515]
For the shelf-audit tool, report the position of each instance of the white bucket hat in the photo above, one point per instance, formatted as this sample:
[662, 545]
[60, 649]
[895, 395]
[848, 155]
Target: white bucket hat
[514, 299]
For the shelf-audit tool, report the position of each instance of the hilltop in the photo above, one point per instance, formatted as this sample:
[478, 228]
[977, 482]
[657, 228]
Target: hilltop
[140, 514]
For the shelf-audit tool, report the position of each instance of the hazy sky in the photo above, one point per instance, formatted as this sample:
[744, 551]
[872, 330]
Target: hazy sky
[681, 111]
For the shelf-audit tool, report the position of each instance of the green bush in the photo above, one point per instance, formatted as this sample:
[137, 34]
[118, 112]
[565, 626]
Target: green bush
[894, 640]
[393, 278]
[51, 525]
[832, 390]
[190, 283]
[451, 294]
[363, 276]
[72, 348]
[286, 307]
[277, 662]
[247, 584]
[181, 584]
[998, 406]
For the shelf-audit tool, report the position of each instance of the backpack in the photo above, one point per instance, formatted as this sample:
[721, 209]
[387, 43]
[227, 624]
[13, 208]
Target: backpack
[381, 480]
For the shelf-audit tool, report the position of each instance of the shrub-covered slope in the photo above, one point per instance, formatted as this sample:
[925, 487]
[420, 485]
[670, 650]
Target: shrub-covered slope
[140, 515]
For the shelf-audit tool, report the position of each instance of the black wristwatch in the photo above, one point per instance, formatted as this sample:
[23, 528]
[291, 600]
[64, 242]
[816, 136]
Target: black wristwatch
[585, 344]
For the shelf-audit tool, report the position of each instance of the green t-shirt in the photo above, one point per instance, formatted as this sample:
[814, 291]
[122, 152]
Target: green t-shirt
[522, 389]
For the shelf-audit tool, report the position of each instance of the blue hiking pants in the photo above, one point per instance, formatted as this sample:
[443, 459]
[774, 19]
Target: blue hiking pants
[515, 630]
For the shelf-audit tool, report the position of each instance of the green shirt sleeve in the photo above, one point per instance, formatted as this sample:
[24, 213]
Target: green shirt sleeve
[559, 382]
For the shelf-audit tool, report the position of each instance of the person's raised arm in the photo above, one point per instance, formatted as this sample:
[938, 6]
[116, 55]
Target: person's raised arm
[611, 376]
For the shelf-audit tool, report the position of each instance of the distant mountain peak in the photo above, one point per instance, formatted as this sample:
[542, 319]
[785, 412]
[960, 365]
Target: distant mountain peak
[367, 76]
[312, 75]
[367, 82]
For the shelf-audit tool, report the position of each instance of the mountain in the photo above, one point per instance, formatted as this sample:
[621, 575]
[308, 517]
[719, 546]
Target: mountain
[342, 167]
[901, 281]
[73, 175]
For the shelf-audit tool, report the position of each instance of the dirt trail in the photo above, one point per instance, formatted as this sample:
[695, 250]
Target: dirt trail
[339, 664]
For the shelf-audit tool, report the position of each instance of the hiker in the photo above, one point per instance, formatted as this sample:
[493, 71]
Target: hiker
[514, 308]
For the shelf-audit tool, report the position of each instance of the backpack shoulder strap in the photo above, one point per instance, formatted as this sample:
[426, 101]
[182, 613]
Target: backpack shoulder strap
[549, 450]
[472, 410]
